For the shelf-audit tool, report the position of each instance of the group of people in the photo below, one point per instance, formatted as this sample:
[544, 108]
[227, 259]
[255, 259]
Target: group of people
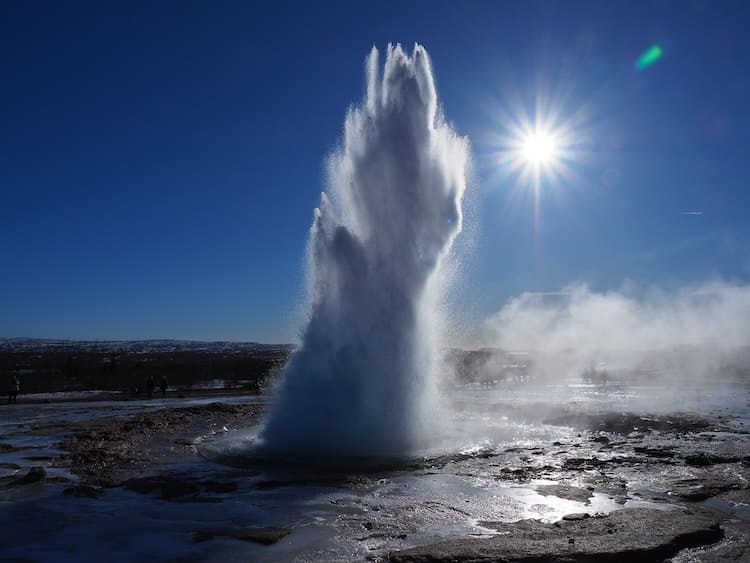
[14, 386]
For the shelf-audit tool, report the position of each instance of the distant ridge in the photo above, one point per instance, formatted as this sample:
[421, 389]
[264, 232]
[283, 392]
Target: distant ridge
[134, 346]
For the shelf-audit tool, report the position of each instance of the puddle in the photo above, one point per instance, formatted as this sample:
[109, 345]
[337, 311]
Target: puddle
[737, 509]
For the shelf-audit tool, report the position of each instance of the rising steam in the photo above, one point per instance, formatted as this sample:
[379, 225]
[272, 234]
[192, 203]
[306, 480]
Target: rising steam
[682, 335]
[362, 381]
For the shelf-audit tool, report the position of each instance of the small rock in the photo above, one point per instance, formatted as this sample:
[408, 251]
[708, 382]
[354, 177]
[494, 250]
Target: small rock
[704, 460]
[571, 540]
[35, 474]
[654, 452]
[576, 516]
[265, 536]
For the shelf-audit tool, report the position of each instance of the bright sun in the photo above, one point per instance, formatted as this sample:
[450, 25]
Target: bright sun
[538, 148]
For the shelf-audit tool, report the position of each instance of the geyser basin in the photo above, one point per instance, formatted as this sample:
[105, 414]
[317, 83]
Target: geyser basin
[362, 382]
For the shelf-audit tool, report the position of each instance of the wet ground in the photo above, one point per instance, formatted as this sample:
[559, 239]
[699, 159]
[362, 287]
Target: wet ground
[549, 473]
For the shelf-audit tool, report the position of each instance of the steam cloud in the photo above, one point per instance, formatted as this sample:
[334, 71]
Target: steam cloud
[688, 333]
[362, 381]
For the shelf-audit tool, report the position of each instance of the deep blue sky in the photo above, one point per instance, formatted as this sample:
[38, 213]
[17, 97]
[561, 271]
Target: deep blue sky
[159, 161]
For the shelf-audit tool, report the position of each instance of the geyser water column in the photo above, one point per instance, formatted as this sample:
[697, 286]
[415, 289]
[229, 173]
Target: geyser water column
[362, 383]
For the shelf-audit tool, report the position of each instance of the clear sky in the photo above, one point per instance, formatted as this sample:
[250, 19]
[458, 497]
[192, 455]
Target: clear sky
[159, 161]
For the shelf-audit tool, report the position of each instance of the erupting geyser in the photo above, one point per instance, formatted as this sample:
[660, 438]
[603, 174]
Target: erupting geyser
[362, 382]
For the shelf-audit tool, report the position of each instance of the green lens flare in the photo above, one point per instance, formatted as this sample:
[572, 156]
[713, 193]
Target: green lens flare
[649, 57]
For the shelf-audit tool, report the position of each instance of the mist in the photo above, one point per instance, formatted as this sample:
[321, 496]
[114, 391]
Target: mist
[696, 333]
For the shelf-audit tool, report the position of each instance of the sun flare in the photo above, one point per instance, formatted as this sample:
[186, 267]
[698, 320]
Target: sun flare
[538, 148]
[539, 151]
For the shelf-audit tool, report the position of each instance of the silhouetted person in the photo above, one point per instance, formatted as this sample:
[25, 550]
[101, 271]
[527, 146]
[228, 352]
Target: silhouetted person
[14, 386]
[150, 385]
[163, 384]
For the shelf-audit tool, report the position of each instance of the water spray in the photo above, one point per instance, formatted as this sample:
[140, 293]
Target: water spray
[363, 381]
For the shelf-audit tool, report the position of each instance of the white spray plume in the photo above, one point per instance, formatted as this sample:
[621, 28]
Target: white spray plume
[362, 382]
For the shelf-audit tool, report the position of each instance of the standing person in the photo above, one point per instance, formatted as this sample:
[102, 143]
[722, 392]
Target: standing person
[150, 385]
[163, 384]
[14, 386]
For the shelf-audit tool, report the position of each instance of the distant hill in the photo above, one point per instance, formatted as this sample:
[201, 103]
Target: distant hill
[51, 365]
[135, 346]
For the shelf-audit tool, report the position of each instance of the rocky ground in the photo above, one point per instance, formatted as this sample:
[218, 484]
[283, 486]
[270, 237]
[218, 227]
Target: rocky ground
[696, 466]
[680, 484]
[113, 451]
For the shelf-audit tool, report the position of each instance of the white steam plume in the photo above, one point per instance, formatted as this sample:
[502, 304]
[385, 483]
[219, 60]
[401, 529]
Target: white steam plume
[683, 334]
